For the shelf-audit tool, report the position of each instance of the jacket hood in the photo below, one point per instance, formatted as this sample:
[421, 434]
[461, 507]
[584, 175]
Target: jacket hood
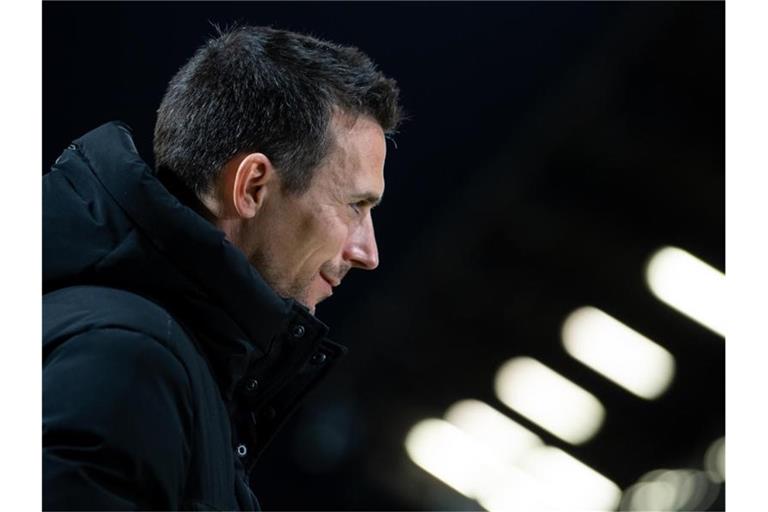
[108, 221]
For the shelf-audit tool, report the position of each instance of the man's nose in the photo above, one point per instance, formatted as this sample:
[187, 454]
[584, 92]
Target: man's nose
[361, 250]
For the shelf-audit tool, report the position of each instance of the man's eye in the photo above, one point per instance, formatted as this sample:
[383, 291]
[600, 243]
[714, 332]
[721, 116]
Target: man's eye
[356, 207]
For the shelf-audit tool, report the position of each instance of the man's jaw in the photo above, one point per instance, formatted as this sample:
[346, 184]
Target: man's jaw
[320, 289]
[327, 279]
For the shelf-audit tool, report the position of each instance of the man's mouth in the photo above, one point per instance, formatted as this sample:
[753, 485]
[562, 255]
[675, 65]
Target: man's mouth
[334, 283]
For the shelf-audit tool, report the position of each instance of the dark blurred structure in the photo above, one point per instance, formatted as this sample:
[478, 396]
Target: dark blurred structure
[552, 148]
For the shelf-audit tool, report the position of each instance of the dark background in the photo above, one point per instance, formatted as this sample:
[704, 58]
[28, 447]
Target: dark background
[552, 147]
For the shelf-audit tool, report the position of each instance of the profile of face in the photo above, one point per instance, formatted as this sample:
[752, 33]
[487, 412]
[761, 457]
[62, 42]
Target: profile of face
[303, 245]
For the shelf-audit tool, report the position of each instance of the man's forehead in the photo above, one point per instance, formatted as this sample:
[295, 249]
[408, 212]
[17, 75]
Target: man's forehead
[356, 159]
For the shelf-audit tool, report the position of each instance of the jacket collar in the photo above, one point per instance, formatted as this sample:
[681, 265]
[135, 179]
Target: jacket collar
[198, 250]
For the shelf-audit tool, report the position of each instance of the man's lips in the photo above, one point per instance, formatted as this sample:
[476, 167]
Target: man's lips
[334, 283]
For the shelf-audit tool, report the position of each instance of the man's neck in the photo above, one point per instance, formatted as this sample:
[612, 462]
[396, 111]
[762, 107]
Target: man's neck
[184, 194]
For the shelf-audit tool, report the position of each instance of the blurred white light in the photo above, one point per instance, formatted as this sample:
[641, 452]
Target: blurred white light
[446, 452]
[573, 484]
[549, 399]
[507, 500]
[651, 496]
[512, 489]
[619, 353]
[685, 484]
[689, 285]
[670, 489]
[563, 482]
[539, 478]
[452, 456]
[486, 425]
[714, 461]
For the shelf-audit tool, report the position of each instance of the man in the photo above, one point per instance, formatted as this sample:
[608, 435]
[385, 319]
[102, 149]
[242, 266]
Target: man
[178, 308]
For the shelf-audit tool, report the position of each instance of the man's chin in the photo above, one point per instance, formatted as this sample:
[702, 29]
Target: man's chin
[310, 298]
[310, 304]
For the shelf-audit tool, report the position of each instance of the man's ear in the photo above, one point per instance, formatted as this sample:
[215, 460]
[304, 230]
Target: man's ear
[254, 177]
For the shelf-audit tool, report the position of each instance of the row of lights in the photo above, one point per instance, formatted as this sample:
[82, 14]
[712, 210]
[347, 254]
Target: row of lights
[485, 455]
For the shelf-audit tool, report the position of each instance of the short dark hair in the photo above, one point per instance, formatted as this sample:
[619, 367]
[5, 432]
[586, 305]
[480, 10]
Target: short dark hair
[273, 91]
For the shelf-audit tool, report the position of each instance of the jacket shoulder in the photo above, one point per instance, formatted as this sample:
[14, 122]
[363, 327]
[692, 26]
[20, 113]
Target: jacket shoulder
[75, 310]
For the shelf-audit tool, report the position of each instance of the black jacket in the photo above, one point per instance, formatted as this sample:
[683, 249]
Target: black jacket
[168, 363]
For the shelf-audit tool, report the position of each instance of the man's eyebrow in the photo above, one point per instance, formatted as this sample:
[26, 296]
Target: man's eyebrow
[367, 198]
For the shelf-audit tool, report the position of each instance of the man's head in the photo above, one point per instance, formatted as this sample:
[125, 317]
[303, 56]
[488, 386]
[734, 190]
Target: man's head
[282, 137]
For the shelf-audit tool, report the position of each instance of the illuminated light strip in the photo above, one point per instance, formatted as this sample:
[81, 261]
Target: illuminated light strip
[619, 353]
[689, 285]
[444, 451]
[573, 485]
[452, 456]
[509, 440]
[569, 484]
[549, 399]
[537, 477]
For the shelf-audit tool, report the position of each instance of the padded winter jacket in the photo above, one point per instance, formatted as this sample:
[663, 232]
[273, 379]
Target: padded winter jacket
[168, 363]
